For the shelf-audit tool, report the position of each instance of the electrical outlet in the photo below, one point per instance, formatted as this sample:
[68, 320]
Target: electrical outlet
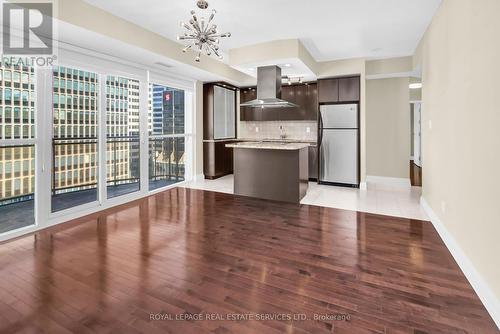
[308, 130]
[443, 206]
[256, 129]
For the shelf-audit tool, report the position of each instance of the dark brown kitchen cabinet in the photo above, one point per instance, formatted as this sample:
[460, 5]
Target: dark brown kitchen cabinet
[219, 128]
[217, 159]
[349, 89]
[247, 94]
[311, 102]
[305, 96]
[345, 89]
[313, 162]
[328, 90]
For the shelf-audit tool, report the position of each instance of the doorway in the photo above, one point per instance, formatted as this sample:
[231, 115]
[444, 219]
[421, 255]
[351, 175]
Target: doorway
[416, 144]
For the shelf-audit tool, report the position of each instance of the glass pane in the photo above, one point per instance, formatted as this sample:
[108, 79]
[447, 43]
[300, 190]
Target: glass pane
[166, 161]
[17, 162]
[17, 102]
[166, 112]
[224, 121]
[75, 152]
[17, 187]
[122, 115]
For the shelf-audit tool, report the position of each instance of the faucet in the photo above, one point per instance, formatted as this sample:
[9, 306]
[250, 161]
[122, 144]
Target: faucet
[282, 133]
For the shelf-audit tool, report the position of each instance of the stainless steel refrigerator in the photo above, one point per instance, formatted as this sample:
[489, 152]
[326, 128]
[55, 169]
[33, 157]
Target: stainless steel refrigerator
[339, 144]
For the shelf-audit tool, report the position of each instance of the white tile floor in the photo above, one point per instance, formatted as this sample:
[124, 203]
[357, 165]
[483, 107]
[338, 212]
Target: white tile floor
[378, 198]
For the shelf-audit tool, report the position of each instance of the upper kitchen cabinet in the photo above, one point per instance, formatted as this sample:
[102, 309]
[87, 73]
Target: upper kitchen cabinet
[335, 90]
[311, 102]
[219, 111]
[305, 96]
[349, 89]
[328, 90]
[247, 94]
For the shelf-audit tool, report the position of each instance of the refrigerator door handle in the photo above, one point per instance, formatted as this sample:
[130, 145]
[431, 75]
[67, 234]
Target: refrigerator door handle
[320, 132]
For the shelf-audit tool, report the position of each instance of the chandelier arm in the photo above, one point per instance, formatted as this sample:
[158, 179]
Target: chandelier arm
[226, 34]
[187, 47]
[215, 52]
[186, 26]
[195, 23]
[187, 38]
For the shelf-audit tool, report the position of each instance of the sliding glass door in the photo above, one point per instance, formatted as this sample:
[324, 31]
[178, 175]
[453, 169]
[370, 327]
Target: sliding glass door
[75, 138]
[17, 146]
[122, 136]
[166, 124]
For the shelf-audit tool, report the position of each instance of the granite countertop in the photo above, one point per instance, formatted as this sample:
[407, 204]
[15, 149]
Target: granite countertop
[269, 145]
[277, 140]
[271, 140]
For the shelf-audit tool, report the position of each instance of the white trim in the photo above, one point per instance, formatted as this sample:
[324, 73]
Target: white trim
[199, 177]
[486, 295]
[393, 181]
[362, 186]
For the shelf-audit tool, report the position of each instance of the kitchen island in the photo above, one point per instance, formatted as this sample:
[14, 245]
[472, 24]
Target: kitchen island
[271, 170]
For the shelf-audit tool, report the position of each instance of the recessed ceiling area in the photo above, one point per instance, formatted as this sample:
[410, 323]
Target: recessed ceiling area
[329, 29]
[290, 67]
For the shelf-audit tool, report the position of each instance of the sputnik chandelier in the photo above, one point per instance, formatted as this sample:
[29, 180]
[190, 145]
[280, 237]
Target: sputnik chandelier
[202, 36]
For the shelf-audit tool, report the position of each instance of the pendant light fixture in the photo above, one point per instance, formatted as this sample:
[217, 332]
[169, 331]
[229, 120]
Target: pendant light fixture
[202, 35]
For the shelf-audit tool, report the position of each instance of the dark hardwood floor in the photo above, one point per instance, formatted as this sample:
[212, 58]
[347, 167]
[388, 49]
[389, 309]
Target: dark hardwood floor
[184, 252]
[415, 174]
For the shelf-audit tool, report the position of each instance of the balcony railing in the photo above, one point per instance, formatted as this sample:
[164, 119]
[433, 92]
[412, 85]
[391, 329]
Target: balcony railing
[80, 156]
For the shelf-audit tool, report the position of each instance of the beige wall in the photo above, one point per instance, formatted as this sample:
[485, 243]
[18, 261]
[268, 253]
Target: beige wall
[391, 65]
[388, 127]
[461, 152]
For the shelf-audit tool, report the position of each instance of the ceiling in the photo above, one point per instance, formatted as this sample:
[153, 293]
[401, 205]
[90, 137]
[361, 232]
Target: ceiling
[329, 29]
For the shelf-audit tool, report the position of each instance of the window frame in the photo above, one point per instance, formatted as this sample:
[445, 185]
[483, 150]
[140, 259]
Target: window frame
[43, 123]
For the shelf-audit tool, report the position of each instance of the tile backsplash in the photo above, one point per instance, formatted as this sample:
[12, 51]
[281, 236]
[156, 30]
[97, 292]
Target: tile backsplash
[294, 130]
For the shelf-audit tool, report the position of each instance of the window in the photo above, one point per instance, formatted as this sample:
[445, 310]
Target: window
[17, 158]
[166, 141]
[77, 167]
[123, 153]
[75, 189]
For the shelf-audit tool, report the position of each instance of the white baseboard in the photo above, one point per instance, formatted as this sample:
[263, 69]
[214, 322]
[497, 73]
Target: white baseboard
[487, 296]
[362, 186]
[392, 181]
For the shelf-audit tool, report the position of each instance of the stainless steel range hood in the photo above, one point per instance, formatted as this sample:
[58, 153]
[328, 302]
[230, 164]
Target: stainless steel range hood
[268, 89]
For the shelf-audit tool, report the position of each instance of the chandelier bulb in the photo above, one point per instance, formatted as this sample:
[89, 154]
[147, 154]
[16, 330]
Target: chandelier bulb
[197, 59]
